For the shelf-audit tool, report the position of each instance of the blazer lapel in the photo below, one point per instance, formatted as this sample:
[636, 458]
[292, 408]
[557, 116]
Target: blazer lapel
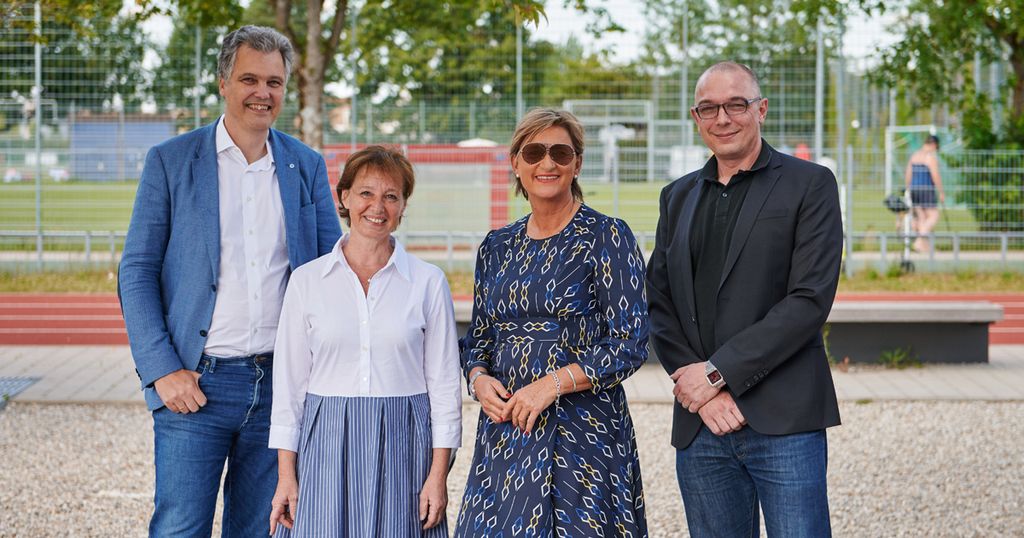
[289, 183]
[204, 174]
[684, 227]
[756, 196]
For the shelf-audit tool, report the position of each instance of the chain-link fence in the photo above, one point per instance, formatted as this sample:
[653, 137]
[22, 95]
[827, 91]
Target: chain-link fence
[71, 158]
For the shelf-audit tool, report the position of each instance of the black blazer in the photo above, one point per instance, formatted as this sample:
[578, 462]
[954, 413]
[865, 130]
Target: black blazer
[777, 288]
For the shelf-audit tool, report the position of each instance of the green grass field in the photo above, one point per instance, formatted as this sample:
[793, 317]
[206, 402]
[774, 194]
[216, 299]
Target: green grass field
[103, 207]
[462, 282]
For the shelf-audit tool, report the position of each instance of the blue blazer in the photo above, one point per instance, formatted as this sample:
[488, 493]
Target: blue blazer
[167, 279]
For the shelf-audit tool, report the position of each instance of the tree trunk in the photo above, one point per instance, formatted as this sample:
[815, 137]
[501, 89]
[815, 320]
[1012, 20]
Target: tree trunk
[311, 123]
[1017, 63]
[311, 82]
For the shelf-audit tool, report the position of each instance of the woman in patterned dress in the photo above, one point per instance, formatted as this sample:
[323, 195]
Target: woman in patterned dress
[559, 320]
[367, 403]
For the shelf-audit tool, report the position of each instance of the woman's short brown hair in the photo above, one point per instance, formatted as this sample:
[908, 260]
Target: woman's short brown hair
[387, 160]
[535, 121]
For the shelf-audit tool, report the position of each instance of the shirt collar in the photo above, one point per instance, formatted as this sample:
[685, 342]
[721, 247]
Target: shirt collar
[710, 170]
[225, 142]
[399, 259]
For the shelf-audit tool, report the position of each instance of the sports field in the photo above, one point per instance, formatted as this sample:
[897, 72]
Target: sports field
[104, 207]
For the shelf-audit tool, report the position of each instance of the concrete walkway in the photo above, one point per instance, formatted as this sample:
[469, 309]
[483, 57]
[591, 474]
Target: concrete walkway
[106, 374]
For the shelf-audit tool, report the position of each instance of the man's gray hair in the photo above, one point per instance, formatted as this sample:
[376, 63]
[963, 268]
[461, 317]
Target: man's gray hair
[259, 38]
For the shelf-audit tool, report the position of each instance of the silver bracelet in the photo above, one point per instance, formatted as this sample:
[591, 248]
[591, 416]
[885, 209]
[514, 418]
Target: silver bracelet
[472, 380]
[558, 388]
[568, 370]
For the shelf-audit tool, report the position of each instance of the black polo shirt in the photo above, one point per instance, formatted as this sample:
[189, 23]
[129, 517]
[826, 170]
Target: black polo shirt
[711, 235]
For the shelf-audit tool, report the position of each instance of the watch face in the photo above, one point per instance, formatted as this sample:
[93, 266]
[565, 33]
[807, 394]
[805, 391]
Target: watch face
[714, 376]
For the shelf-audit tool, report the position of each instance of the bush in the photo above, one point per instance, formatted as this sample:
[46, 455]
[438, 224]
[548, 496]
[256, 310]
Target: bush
[899, 358]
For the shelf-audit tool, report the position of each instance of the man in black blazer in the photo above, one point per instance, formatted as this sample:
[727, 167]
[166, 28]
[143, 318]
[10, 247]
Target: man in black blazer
[741, 281]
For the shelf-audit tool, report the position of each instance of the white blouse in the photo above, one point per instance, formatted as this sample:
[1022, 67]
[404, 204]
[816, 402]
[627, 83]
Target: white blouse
[396, 340]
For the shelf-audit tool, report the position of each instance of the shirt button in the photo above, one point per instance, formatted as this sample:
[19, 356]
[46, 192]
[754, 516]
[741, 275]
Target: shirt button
[252, 263]
[248, 198]
[725, 195]
[202, 332]
[250, 232]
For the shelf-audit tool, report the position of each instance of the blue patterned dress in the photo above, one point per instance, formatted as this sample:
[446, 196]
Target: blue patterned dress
[539, 305]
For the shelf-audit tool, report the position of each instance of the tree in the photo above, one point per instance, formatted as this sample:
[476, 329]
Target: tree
[176, 83]
[99, 56]
[16, 15]
[319, 30]
[755, 31]
[934, 62]
[468, 68]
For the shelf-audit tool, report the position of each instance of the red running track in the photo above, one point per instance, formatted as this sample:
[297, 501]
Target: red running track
[60, 319]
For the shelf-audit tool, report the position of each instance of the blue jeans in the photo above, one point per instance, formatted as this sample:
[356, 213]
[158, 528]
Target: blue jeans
[722, 480]
[191, 450]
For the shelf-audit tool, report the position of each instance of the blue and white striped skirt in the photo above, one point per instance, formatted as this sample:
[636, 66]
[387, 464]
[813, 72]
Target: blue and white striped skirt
[361, 465]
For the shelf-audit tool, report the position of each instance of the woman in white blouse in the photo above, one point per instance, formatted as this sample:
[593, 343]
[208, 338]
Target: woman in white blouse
[367, 406]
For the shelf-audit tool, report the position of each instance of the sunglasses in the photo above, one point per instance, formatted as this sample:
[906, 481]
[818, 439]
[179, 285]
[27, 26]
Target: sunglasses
[534, 152]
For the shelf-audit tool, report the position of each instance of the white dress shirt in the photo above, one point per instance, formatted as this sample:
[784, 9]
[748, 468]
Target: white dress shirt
[398, 339]
[253, 271]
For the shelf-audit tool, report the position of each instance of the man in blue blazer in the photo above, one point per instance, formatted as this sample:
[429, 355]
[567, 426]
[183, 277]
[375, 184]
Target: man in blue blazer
[222, 216]
[741, 280]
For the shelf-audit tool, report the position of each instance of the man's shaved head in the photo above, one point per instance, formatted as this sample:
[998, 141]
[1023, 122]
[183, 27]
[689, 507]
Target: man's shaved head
[729, 66]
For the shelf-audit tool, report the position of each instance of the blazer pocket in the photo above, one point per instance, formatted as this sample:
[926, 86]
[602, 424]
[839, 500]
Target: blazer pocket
[773, 214]
[307, 218]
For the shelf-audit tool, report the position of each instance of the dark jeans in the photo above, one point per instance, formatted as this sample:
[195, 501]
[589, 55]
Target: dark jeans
[723, 479]
[191, 450]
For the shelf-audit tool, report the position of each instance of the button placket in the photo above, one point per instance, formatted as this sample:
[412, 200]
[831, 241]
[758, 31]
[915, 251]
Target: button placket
[364, 336]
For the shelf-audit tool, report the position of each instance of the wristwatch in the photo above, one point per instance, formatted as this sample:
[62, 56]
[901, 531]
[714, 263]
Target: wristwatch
[472, 379]
[714, 377]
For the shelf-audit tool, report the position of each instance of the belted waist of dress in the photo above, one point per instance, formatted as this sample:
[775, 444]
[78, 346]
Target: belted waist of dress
[575, 331]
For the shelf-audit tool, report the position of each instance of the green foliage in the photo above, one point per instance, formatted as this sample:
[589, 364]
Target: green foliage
[174, 81]
[935, 58]
[174, 85]
[899, 358]
[755, 31]
[68, 13]
[101, 55]
[894, 271]
[825, 331]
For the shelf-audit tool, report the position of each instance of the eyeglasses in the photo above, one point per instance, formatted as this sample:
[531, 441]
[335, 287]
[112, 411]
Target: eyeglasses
[732, 108]
[534, 152]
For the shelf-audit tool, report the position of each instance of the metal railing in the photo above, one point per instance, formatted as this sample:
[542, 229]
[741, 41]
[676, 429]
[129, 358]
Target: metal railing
[455, 251]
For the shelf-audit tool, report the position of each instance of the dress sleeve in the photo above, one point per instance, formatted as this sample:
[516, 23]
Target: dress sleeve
[477, 346]
[293, 361]
[619, 282]
[441, 367]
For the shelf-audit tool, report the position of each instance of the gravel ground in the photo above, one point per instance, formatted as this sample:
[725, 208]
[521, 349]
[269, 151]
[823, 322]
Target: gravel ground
[896, 469]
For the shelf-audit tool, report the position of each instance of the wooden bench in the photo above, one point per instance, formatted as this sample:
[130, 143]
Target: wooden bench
[935, 331]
